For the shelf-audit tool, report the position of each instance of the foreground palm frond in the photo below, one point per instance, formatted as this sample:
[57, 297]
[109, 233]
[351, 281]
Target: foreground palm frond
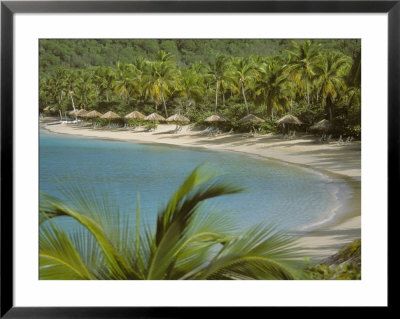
[190, 241]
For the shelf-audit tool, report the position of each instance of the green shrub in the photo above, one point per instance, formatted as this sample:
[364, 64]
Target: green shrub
[345, 271]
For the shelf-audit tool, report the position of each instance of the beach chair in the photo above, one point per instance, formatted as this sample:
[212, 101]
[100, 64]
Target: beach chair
[206, 131]
[347, 139]
[329, 139]
[340, 140]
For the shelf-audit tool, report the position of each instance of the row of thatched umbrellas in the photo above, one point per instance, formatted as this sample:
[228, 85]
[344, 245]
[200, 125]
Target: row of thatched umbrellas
[133, 115]
[323, 125]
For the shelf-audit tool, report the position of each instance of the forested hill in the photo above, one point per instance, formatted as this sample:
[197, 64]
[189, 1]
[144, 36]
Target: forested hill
[83, 53]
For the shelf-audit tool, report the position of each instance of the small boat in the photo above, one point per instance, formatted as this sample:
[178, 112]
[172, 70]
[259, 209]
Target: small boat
[54, 123]
[69, 122]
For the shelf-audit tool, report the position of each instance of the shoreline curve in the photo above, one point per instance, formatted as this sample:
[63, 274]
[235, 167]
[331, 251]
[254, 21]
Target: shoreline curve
[335, 161]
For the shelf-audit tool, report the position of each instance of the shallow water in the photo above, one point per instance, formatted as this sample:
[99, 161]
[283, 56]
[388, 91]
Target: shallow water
[291, 197]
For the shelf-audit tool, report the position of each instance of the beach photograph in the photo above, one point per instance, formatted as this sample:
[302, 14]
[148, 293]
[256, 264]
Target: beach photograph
[199, 159]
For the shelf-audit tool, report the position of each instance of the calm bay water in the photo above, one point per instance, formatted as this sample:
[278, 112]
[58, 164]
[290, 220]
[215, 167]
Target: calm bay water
[289, 196]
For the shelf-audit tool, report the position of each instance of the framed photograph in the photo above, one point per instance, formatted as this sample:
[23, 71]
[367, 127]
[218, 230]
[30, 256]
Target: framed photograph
[165, 157]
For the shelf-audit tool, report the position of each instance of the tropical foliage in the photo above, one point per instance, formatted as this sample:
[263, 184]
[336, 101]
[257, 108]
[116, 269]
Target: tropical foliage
[345, 265]
[312, 79]
[187, 242]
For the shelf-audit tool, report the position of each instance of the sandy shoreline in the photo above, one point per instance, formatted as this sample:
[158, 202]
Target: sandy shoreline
[337, 161]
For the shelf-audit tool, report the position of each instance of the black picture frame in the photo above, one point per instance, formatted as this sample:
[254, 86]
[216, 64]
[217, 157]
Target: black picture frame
[9, 8]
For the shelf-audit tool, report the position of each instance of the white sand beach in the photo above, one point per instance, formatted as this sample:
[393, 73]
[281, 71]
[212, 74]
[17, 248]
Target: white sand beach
[337, 160]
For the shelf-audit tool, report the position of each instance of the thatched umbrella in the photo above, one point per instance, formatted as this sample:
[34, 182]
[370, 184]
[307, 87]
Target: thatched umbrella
[154, 117]
[81, 113]
[93, 114]
[110, 115]
[289, 119]
[54, 109]
[251, 119]
[216, 118]
[323, 125]
[177, 118]
[135, 115]
[47, 108]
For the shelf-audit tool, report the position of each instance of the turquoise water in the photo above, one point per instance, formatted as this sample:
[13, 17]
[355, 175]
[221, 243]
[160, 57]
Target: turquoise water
[288, 196]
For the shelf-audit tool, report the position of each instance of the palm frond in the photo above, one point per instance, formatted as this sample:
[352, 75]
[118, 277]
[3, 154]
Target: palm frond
[116, 261]
[264, 251]
[173, 220]
[59, 258]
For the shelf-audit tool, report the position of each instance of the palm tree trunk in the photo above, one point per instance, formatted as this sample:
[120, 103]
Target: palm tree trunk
[308, 102]
[216, 98]
[188, 103]
[245, 101]
[165, 106]
[330, 109]
[73, 105]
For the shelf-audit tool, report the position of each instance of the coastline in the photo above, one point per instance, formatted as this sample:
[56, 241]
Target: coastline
[336, 161]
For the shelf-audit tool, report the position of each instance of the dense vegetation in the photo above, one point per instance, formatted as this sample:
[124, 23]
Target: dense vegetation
[345, 265]
[312, 79]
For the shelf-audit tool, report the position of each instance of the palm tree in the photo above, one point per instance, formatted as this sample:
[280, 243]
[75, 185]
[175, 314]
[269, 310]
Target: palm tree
[46, 92]
[191, 85]
[219, 72]
[160, 78]
[127, 78]
[71, 83]
[84, 88]
[354, 76]
[59, 84]
[301, 65]
[187, 242]
[105, 81]
[270, 87]
[244, 71]
[331, 78]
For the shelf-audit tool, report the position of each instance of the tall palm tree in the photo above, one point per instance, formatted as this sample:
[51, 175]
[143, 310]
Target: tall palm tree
[244, 72]
[126, 80]
[191, 84]
[104, 79]
[331, 78]
[84, 88]
[354, 76]
[301, 65]
[270, 89]
[187, 242]
[219, 73]
[71, 80]
[159, 80]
